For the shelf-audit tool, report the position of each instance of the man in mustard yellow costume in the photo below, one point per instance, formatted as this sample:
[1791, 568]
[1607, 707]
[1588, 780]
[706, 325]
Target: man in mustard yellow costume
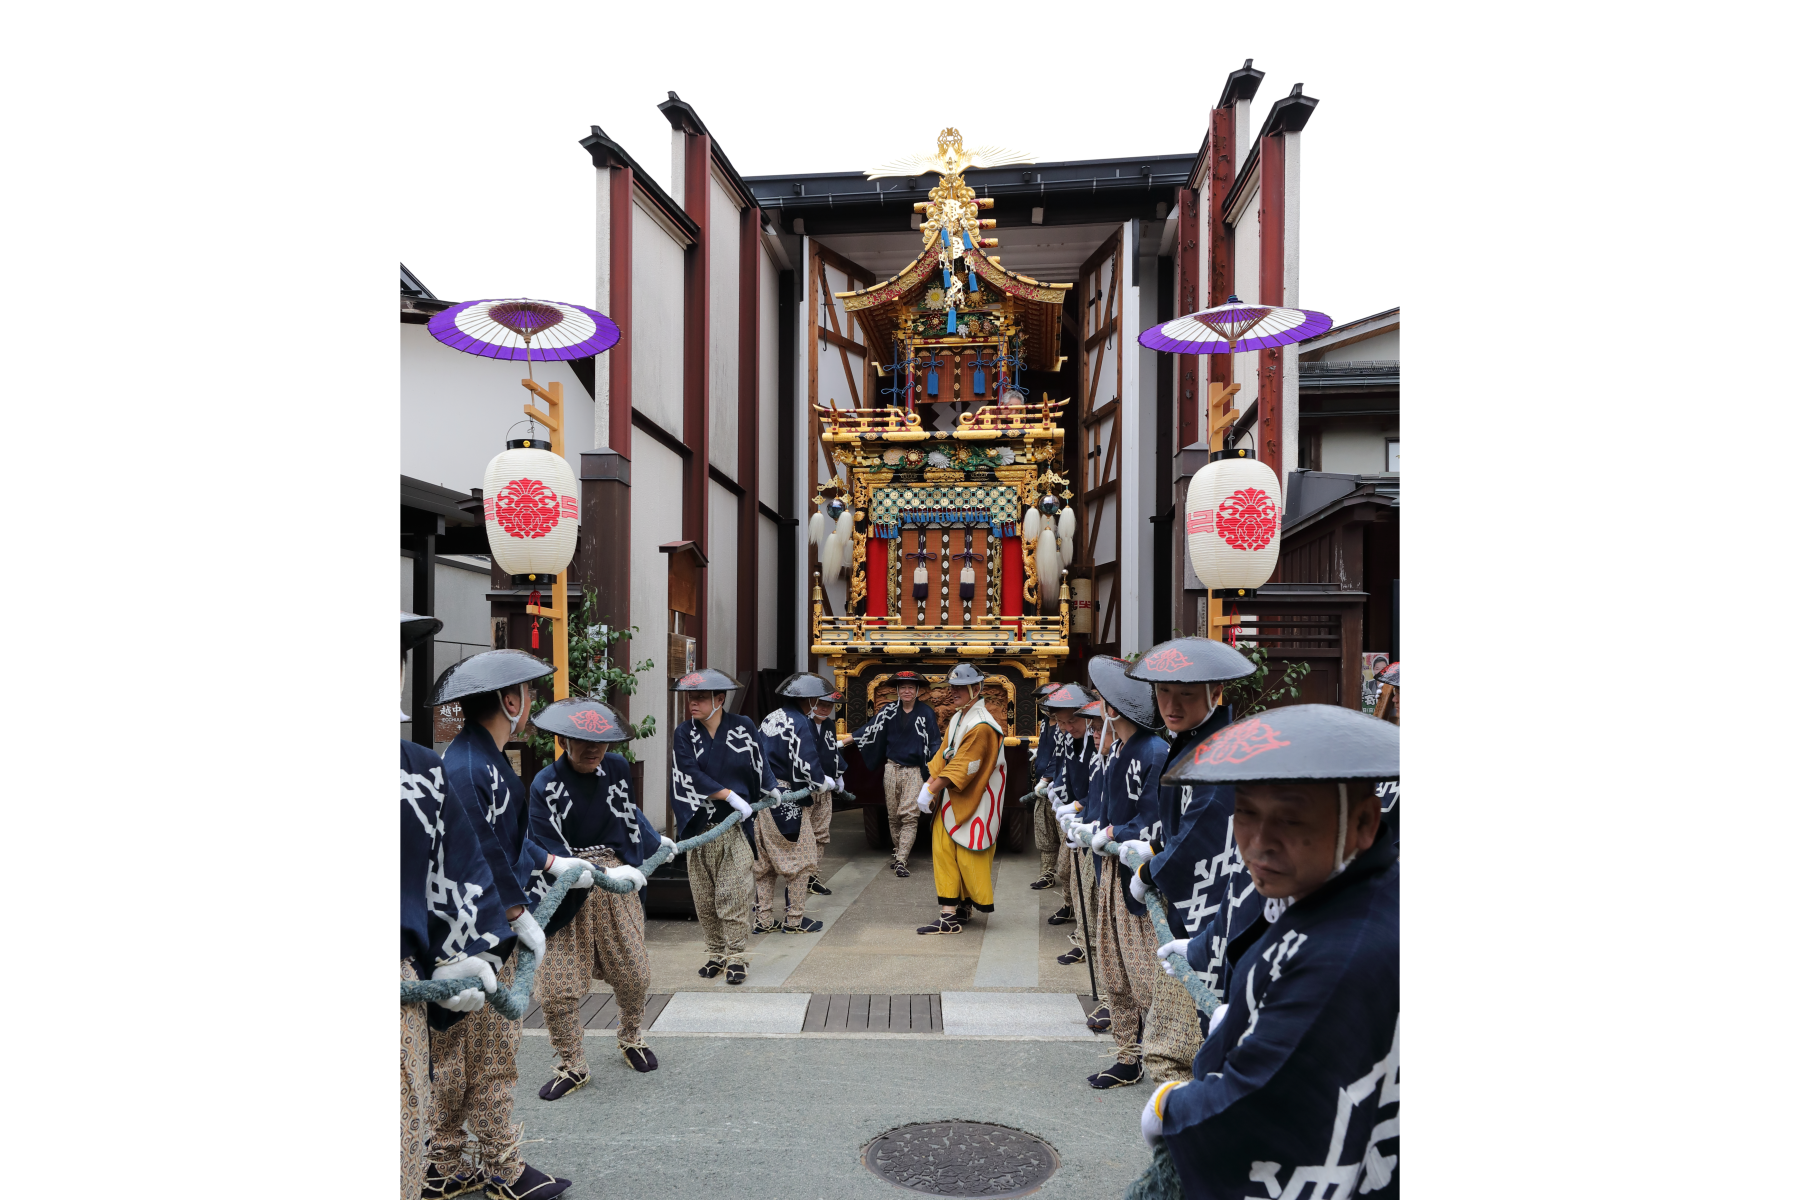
[965, 785]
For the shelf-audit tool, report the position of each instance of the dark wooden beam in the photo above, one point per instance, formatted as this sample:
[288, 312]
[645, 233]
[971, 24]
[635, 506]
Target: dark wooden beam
[696, 368]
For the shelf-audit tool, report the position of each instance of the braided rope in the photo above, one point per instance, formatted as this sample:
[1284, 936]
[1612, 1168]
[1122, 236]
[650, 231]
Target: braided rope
[514, 1001]
[1204, 997]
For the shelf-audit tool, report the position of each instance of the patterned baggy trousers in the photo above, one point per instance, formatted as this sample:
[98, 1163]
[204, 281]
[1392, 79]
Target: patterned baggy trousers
[1086, 906]
[719, 876]
[901, 785]
[1171, 1031]
[415, 1091]
[1127, 951]
[604, 940]
[474, 1067]
[1048, 833]
[788, 863]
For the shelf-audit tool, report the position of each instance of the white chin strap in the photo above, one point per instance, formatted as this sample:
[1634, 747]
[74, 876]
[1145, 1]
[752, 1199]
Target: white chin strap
[518, 722]
[403, 715]
[1339, 862]
[717, 705]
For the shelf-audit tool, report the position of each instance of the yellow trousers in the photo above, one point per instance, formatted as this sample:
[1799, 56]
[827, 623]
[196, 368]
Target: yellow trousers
[959, 872]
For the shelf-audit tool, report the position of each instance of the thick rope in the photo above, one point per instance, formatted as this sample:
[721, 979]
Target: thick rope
[1204, 997]
[514, 1001]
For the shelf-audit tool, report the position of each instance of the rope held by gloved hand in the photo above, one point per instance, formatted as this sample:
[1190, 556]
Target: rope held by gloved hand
[1204, 997]
[513, 1002]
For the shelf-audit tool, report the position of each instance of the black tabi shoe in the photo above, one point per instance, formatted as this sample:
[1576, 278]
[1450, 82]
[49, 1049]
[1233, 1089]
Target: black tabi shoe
[764, 927]
[1047, 879]
[439, 1186]
[1075, 955]
[735, 973]
[641, 1058]
[806, 925]
[1100, 1020]
[1061, 916]
[532, 1184]
[713, 967]
[1117, 1075]
[942, 925]
[900, 871]
[562, 1083]
[816, 888]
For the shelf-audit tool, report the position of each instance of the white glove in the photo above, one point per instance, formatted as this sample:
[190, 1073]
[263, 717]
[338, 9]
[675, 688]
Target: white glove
[830, 785]
[1216, 1021]
[840, 783]
[1138, 890]
[845, 741]
[468, 968]
[562, 864]
[1143, 848]
[468, 1000]
[631, 875]
[1151, 1122]
[925, 800]
[738, 802]
[670, 843]
[1169, 950]
[530, 932]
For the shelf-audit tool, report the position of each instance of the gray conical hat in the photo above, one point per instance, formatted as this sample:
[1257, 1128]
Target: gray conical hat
[488, 672]
[1191, 660]
[1301, 742]
[1135, 699]
[705, 680]
[581, 717]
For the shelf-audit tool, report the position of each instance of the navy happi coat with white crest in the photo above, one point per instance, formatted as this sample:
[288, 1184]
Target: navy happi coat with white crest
[1196, 842]
[794, 759]
[573, 814]
[735, 759]
[1133, 800]
[484, 780]
[449, 907]
[907, 739]
[831, 755]
[1297, 1093]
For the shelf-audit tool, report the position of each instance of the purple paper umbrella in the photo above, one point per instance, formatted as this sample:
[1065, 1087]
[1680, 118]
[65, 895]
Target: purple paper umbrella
[531, 330]
[1234, 327]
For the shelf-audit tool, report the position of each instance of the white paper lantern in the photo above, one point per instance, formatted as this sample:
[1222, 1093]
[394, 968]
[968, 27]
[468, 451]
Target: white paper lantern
[1065, 525]
[532, 506]
[1234, 523]
[1034, 521]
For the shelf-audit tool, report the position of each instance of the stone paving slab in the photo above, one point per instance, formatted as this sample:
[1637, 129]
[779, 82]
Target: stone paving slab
[746, 1012]
[1015, 1014]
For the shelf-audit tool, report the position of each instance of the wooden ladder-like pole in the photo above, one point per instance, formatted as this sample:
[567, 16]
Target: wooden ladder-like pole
[558, 610]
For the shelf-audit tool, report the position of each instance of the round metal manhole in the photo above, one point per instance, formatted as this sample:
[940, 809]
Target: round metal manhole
[962, 1158]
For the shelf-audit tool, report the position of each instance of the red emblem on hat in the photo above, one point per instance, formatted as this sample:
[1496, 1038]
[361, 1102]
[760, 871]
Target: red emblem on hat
[589, 721]
[1248, 519]
[688, 680]
[527, 508]
[1167, 659]
[1239, 743]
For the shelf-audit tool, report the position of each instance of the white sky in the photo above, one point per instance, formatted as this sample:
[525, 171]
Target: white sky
[780, 98]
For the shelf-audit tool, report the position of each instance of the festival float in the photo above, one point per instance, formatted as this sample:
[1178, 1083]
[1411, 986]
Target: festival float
[948, 501]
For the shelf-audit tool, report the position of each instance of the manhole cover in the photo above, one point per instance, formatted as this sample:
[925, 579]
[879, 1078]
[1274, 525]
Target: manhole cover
[961, 1158]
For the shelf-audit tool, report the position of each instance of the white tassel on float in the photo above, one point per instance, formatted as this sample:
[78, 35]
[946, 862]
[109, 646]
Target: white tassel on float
[815, 531]
[1034, 522]
[845, 527]
[1049, 567]
[832, 560]
[1065, 525]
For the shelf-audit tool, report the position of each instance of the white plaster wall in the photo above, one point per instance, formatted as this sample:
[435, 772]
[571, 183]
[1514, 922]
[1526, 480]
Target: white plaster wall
[803, 448]
[602, 297]
[655, 519]
[722, 337]
[463, 608]
[1356, 449]
[768, 398]
[657, 272]
[1383, 347]
[834, 384]
[722, 583]
[455, 410]
[1247, 251]
[768, 558]
[1137, 462]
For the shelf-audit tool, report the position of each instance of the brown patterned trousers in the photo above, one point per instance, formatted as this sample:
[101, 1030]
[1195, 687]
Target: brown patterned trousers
[720, 877]
[792, 863]
[605, 940]
[1126, 949]
[1171, 1030]
[475, 1065]
[415, 1091]
[901, 786]
[1048, 834]
[1088, 903]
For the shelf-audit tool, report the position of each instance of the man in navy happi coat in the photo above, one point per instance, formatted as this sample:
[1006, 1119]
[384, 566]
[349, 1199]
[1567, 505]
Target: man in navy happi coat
[1296, 1088]
[721, 765]
[474, 1063]
[897, 742]
[831, 758]
[788, 853]
[450, 913]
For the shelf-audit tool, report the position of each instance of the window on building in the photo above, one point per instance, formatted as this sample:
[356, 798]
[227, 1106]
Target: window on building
[1393, 455]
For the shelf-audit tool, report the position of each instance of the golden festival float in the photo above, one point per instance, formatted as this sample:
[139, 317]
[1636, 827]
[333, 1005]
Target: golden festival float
[947, 502]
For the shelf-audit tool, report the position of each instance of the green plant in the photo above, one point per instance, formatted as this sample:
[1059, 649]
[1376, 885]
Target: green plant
[592, 673]
[1256, 692]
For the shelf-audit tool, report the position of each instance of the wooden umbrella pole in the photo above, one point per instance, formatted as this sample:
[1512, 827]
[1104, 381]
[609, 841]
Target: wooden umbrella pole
[552, 396]
[1220, 416]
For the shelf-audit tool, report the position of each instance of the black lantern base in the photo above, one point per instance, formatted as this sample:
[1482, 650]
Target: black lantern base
[1216, 455]
[538, 581]
[1233, 593]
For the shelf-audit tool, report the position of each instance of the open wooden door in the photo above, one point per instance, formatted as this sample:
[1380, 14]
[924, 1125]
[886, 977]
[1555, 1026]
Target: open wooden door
[1100, 292]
